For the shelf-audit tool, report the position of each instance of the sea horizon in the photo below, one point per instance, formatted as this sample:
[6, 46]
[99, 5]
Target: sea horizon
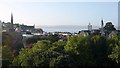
[65, 28]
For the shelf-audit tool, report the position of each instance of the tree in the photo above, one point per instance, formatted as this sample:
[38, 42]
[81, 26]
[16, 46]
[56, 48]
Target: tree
[62, 61]
[16, 47]
[7, 56]
[115, 54]
[7, 39]
[25, 54]
[29, 41]
[11, 45]
[109, 26]
[39, 30]
[58, 46]
[114, 48]
[79, 49]
[99, 50]
[53, 38]
[41, 54]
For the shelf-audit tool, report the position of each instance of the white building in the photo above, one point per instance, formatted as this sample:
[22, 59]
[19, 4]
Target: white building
[89, 27]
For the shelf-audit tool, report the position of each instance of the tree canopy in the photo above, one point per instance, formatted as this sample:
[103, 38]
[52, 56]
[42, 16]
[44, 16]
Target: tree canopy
[81, 50]
[109, 26]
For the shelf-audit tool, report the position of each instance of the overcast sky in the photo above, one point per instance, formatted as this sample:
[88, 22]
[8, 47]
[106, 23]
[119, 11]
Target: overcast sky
[60, 13]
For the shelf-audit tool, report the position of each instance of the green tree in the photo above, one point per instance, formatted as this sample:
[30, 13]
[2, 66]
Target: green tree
[99, 50]
[115, 54]
[7, 56]
[114, 48]
[7, 39]
[25, 54]
[58, 46]
[83, 50]
[79, 48]
[109, 27]
[53, 38]
[62, 61]
[12, 40]
[43, 53]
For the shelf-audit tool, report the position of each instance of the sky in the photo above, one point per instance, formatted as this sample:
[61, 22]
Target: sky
[60, 13]
[59, 0]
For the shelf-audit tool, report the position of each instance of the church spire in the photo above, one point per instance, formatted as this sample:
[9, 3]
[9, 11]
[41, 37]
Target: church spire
[12, 28]
[12, 18]
[102, 23]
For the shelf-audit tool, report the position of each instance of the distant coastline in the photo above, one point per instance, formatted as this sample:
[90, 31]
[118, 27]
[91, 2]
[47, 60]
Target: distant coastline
[65, 28]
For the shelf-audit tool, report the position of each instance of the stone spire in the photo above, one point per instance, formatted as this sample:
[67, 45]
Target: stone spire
[102, 24]
[11, 18]
[12, 28]
[102, 28]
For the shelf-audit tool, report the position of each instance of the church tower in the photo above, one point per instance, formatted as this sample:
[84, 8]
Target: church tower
[89, 27]
[102, 28]
[11, 21]
[102, 24]
[11, 25]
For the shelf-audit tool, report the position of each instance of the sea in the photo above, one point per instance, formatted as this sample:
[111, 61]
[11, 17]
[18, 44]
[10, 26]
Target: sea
[65, 28]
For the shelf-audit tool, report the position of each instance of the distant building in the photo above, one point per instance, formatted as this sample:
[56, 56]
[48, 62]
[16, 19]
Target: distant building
[25, 28]
[85, 32]
[102, 28]
[89, 27]
[38, 30]
[11, 27]
[95, 31]
[8, 27]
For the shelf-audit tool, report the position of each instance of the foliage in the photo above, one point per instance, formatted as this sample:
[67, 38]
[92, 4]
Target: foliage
[114, 44]
[58, 47]
[16, 47]
[6, 37]
[26, 53]
[115, 54]
[6, 53]
[11, 46]
[88, 50]
[109, 26]
[29, 40]
[99, 50]
[62, 61]
[81, 50]
[44, 53]
[52, 38]
[7, 56]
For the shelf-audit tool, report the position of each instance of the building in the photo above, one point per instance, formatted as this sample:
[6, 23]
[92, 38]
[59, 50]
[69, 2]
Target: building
[8, 27]
[11, 27]
[25, 28]
[102, 28]
[89, 27]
